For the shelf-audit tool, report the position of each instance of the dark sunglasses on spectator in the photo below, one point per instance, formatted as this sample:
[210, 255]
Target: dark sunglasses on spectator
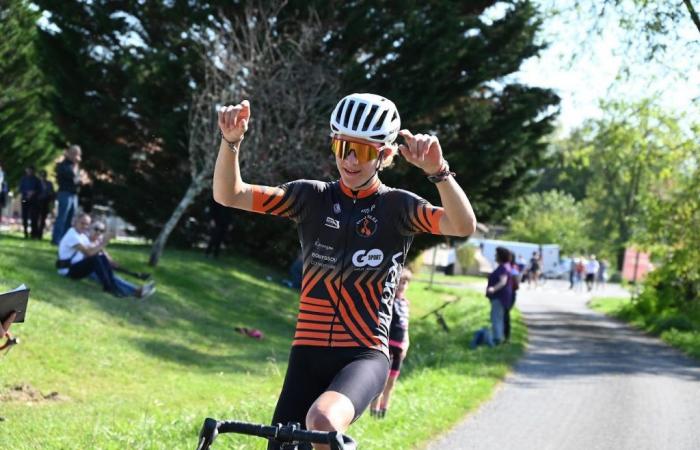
[99, 230]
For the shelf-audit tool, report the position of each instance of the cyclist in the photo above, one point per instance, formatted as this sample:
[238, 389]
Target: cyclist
[354, 234]
[398, 344]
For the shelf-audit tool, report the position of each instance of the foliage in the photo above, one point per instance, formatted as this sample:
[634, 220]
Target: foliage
[551, 217]
[622, 159]
[27, 134]
[679, 327]
[444, 64]
[144, 374]
[247, 57]
[125, 74]
[467, 259]
[650, 27]
[670, 216]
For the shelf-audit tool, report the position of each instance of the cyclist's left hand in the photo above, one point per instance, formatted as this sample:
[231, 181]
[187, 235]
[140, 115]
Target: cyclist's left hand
[422, 150]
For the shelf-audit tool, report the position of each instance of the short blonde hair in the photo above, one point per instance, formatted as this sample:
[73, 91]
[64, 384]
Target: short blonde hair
[388, 161]
[406, 274]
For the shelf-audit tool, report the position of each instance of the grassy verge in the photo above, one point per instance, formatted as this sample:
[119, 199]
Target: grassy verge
[680, 329]
[133, 374]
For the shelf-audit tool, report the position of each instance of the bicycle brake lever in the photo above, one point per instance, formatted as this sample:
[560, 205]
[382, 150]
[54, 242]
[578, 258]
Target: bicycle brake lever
[209, 431]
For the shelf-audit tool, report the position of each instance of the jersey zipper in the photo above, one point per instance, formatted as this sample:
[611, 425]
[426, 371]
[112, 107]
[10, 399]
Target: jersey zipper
[342, 269]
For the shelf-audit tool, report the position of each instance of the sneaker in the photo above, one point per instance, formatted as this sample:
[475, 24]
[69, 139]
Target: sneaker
[147, 290]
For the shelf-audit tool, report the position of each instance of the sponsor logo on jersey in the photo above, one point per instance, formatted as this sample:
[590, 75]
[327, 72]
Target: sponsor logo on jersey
[332, 223]
[392, 279]
[324, 258]
[368, 210]
[371, 258]
[366, 226]
[320, 245]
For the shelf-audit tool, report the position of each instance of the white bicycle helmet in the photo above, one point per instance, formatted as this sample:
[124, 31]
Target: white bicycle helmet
[366, 116]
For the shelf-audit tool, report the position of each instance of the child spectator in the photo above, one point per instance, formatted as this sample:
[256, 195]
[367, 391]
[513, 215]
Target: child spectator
[398, 344]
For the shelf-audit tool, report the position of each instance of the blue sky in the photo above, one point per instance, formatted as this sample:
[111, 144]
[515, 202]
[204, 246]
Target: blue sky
[592, 75]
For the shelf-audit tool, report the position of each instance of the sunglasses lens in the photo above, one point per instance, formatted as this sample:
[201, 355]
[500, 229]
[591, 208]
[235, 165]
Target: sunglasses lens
[363, 152]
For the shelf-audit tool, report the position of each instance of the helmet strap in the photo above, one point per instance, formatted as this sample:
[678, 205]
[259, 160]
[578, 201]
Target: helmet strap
[376, 171]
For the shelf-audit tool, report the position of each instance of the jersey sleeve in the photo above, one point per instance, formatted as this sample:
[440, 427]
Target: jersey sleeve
[418, 215]
[290, 200]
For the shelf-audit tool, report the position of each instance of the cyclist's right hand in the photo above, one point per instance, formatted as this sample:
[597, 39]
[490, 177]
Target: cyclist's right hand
[233, 121]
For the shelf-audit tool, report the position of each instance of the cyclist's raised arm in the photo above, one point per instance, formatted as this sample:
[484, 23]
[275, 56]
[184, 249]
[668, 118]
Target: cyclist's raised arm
[229, 189]
[456, 217]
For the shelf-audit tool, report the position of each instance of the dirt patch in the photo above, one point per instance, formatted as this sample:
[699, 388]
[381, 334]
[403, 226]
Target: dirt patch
[27, 394]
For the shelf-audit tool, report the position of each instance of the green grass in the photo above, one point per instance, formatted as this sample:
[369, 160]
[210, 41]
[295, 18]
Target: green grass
[681, 329]
[135, 374]
[441, 278]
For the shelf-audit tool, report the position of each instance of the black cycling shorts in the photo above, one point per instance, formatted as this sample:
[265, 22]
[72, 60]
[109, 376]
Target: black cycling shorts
[358, 373]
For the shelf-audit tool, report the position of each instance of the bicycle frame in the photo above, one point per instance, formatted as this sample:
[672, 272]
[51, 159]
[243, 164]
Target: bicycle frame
[290, 435]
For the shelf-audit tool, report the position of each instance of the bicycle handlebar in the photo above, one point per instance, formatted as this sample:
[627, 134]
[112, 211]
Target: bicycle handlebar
[280, 433]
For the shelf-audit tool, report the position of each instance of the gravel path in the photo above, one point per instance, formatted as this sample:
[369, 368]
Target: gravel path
[586, 382]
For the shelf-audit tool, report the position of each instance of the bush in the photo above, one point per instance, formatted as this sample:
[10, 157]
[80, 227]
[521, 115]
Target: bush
[467, 260]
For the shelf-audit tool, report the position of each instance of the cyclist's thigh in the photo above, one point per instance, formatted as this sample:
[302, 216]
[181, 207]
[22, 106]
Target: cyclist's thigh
[300, 389]
[362, 379]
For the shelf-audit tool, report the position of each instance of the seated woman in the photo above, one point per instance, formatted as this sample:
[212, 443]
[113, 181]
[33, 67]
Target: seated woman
[79, 257]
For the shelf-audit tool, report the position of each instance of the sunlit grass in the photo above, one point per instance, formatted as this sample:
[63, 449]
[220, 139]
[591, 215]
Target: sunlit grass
[144, 374]
[680, 329]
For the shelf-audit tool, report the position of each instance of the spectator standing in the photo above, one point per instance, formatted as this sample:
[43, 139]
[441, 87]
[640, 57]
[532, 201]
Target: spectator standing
[534, 269]
[592, 267]
[572, 272]
[3, 192]
[499, 293]
[219, 223]
[514, 279]
[45, 201]
[68, 179]
[603, 273]
[29, 188]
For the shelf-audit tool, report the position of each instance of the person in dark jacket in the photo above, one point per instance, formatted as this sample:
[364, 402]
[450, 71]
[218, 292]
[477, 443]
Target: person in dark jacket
[68, 178]
[499, 293]
[45, 200]
[219, 222]
[29, 188]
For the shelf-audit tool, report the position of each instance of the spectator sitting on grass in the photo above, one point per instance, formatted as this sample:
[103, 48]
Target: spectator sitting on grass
[78, 258]
[97, 236]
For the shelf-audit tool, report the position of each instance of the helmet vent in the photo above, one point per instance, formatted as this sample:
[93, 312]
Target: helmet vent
[340, 110]
[348, 112]
[368, 120]
[380, 122]
[378, 136]
[356, 121]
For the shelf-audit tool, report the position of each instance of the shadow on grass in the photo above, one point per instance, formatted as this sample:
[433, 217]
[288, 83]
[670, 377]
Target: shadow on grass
[187, 356]
[196, 299]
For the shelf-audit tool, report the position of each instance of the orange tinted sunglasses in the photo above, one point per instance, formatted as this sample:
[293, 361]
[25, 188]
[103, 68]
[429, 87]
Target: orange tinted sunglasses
[363, 152]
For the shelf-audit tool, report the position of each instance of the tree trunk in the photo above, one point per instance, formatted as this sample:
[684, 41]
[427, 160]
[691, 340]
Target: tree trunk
[194, 188]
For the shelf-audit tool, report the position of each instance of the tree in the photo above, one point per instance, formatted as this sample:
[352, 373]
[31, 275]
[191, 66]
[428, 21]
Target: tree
[135, 65]
[27, 134]
[669, 218]
[551, 217]
[446, 64]
[260, 64]
[623, 157]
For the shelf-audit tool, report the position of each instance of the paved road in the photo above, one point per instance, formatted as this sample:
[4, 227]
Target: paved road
[586, 382]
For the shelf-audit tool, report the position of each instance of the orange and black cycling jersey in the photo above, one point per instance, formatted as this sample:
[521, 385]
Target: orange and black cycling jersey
[354, 244]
